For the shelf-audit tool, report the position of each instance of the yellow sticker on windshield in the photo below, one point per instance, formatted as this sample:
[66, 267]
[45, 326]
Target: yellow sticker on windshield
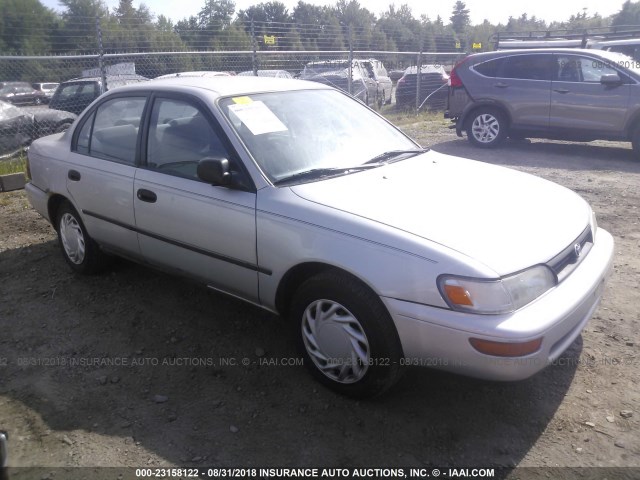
[242, 100]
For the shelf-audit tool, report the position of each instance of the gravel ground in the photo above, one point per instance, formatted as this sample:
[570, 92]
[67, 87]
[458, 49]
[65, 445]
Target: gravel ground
[176, 390]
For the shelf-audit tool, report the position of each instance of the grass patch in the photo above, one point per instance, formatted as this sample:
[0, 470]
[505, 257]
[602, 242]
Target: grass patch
[13, 165]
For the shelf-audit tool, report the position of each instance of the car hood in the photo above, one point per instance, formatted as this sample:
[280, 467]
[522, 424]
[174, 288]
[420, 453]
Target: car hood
[506, 219]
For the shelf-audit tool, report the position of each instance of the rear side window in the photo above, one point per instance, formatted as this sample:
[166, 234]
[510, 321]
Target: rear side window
[112, 131]
[528, 67]
[490, 68]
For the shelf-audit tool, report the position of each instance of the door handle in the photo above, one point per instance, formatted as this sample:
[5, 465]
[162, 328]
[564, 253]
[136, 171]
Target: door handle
[74, 175]
[147, 196]
[500, 85]
[561, 90]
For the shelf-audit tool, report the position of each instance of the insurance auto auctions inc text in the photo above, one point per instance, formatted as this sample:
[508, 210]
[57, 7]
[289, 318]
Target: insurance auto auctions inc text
[376, 472]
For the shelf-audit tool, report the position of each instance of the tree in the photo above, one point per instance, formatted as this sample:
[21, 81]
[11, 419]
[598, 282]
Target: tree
[460, 18]
[25, 27]
[216, 14]
[628, 15]
[79, 24]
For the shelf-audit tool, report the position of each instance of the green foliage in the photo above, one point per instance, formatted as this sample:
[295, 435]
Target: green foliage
[28, 28]
[628, 15]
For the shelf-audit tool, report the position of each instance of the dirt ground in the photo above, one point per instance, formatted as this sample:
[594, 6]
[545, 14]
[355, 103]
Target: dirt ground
[138, 368]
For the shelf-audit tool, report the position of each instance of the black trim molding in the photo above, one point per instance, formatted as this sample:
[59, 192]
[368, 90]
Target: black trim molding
[186, 246]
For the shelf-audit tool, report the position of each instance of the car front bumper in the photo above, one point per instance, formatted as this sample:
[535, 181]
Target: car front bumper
[440, 338]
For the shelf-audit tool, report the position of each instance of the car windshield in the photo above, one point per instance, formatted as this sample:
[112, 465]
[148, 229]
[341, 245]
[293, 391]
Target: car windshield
[289, 133]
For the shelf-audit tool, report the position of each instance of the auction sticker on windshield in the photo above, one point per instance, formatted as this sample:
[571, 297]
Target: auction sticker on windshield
[257, 117]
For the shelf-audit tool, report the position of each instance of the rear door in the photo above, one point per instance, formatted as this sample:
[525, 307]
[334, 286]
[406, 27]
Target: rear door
[521, 83]
[102, 168]
[580, 103]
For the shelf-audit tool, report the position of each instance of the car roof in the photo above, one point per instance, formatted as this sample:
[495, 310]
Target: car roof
[224, 86]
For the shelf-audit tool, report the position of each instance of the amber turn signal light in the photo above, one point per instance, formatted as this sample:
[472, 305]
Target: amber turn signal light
[506, 349]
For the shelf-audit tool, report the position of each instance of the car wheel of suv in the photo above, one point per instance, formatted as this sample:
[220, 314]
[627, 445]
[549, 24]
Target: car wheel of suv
[346, 336]
[80, 251]
[380, 101]
[635, 142]
[38, 101]
[486, 127]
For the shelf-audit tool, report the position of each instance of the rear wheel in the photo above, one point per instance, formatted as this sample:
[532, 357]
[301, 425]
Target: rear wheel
[635, 142]
[79, 250]
[486, 127]
[346, 336]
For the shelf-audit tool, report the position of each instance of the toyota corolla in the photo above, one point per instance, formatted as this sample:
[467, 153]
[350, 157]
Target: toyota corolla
[295, 197]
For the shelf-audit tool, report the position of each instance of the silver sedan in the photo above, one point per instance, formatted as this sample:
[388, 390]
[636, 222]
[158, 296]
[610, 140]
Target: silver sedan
[295, 197]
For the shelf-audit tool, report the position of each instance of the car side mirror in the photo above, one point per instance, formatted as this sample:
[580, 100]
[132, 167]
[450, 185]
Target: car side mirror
[610, 79]
[215, 171]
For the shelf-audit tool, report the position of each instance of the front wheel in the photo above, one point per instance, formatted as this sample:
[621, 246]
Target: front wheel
[486, 127]
[79, 250]
[346, 336]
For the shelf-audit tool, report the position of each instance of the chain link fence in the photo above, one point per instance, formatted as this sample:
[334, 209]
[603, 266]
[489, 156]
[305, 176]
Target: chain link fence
[43, 94]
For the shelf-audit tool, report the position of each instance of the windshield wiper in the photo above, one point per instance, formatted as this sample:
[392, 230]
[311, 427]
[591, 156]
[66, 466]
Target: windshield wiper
[321, 173]
[388, 156]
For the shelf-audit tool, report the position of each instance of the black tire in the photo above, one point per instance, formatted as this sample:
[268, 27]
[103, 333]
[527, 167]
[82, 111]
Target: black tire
[71, 232]
[359, 310]
[490, 127]
[380, 101]
[38, 101]
[635, 142]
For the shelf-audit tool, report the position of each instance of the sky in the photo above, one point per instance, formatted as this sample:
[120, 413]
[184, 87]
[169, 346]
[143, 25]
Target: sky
[495, 12]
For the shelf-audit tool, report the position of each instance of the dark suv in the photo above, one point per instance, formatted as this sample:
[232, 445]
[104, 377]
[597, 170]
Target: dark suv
[75, 95]
[566, 94]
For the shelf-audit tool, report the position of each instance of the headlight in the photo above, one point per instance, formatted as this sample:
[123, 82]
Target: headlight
[502, 295]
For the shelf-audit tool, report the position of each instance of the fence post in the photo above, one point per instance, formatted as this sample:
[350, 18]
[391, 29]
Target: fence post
[254, 56]
[350, 79]
[103, 73]
[419, 69]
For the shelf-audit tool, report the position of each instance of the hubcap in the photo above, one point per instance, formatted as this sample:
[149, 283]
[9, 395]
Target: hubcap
[335, 341]
[72, 238]
[485, 128]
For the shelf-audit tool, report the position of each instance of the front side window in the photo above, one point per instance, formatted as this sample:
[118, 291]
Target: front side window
[179, 137]
[115, 130]
[571, 68]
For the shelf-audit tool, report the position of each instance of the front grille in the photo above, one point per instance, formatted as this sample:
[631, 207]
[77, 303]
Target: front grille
[566, 261]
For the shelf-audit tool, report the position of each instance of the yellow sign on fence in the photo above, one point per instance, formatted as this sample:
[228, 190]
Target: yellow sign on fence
[477, 46]
[269, 39]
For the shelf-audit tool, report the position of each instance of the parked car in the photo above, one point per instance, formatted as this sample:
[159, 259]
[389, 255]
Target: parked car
[433, 87]
[267, 73]
[20, 126]
[15, 127]
[75, 95]
[568, 94]
[396, 75]
[295, 197]
[20, 93]
[47, 88]
[204, 73]
[375, 69]
[336, 74]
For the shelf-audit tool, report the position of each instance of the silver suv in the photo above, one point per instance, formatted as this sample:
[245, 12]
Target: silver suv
[566, 94]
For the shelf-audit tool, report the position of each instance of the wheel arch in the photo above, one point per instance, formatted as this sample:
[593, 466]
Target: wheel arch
[53, 205]
[298, 274]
